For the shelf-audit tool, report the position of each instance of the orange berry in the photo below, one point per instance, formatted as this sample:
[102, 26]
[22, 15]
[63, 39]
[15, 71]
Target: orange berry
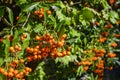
[111, 55]
[21, 60]
[29, 58]
[112, 1]
[79, 63]
[19, 48]
[86, 68]
[68, 48]
[27, 69]
[36, 12]
[117, 35]
[17, 76]
[96, 23]
[60, 44]
[5, 73]
[11, 49]
[15, 72]
[94, 58]
[1, 39]
[114, 44]
[64, 36]
[16, 47]
[104, 34]
[42, 9]
[40, 16]
[27, 49]
[2, 70]
[110, 68]
[11, 70]
[109, 26]
[15, 61]
[37, 47]
[10, 74]
[59, 54]
[52, 55]
[68, 53]
[21, 38]
[25, 35]
[35, 57]
[13, 65]
[48, 12]
[102, 39]
[10, 37]
[17, 18]
[64, 52]
[21, 73]
[35, 50]
[39, 56]
[26, 73]
[37, 38]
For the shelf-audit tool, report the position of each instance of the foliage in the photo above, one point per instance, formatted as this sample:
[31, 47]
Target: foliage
[59, 40]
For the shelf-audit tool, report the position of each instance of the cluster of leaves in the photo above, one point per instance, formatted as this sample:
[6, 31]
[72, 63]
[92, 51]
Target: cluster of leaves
[91, 26]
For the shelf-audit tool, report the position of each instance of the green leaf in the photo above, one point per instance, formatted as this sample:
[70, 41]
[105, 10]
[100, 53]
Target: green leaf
[86, 14]
[67, 21]
[5, 20]
[16, 35]
[45, 18]
[61, 32]
[116, 50]
[95, 12]
[1, 11]
[28, 27]
[26, 41]
[113, 16]
[60, 24]
[79, 70]
[1, 61]
[51, 17]
[85, 41]
[7, 45]
[30, 7]
[22, 19]
[10, 15]
[1, 77]
[60, 15]
[118, 63]
[105, 4]
[38, 28]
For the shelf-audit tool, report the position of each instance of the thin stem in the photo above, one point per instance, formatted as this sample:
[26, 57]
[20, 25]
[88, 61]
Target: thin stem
[75, 3]
[26, 20]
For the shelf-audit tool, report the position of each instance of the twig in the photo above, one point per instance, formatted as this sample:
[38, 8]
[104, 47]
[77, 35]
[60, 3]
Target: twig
[75, 3]
[26, 20]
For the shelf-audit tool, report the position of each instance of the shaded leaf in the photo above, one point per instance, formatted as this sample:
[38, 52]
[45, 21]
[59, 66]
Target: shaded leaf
[30, 7]
[1, 11]
[10, 15]
[1, 61]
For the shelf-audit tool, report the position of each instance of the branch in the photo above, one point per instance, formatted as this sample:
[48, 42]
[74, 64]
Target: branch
[26, 20]
[75, 3]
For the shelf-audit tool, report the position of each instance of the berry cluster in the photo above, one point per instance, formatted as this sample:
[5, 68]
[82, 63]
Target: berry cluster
[14, 49]
[23, 37]
[40, 12]
[100, 69]
[16, 70]
[47, 46]
[85, 63]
